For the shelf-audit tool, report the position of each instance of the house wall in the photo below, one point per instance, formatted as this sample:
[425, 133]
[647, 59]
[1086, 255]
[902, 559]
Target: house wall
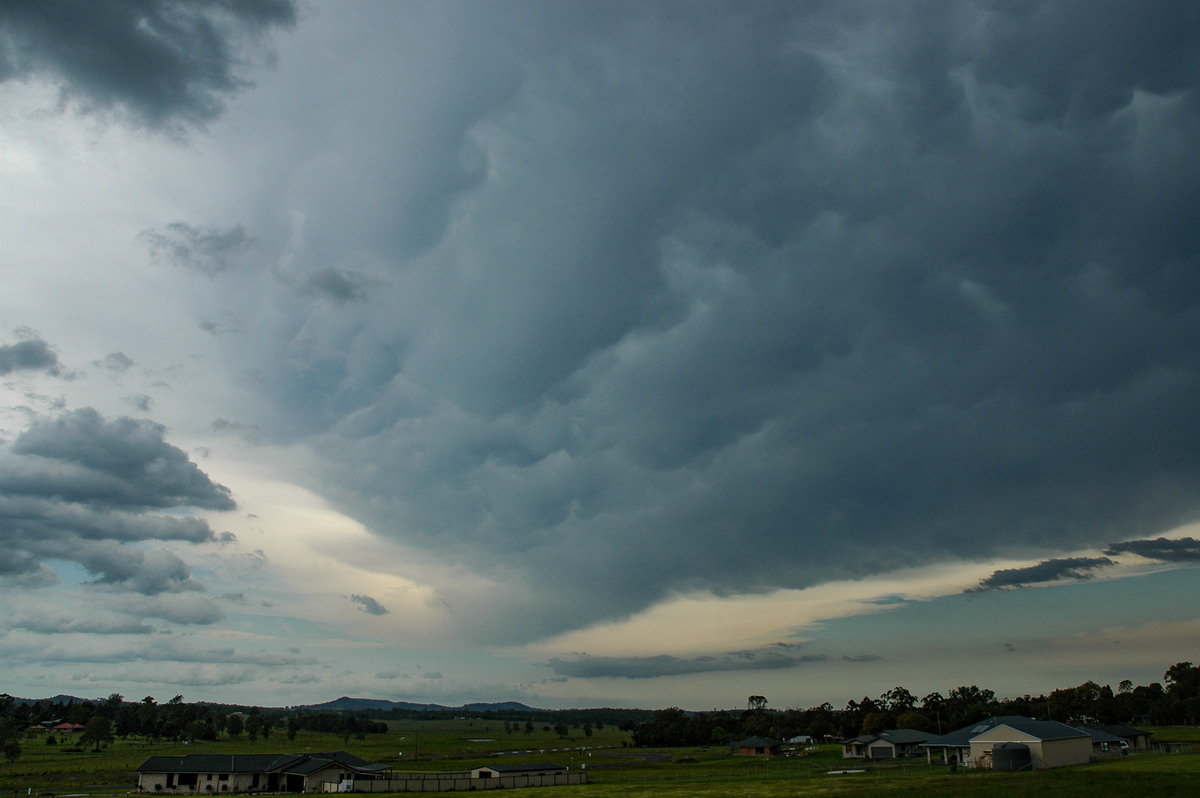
[205, 783]
[1044, 753]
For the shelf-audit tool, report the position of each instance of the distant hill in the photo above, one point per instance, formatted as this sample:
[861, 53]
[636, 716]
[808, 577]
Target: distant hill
[58, 699]
[345, 703]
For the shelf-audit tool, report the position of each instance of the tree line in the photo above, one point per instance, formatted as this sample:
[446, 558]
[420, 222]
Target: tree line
[1174, 701]
[177, 720]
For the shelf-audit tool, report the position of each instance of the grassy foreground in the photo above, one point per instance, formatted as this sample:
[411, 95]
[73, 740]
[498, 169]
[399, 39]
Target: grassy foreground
[617, 770]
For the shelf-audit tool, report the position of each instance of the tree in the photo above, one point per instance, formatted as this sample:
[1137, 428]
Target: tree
[756, 703]
[914, 720]
[97, 731]
[235, 725]
[10, 740]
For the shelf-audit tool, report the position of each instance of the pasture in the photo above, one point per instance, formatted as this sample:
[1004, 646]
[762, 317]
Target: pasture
[616, 769]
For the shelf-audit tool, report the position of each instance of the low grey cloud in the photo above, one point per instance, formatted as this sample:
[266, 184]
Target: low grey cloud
[46, 623]
[32, 354]
[337, 286]
[166, 64]
[140, 401]
[1046, 571]
[117, 362]
[586, 667]
[205, 250]
[189, 608]
[368, 605]
[79, 488]
[1162, 549]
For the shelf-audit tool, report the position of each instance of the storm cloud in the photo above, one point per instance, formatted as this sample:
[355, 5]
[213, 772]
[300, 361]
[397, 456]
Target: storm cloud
[802, 293]
[79, 488]
[165, 63]
[578, 316]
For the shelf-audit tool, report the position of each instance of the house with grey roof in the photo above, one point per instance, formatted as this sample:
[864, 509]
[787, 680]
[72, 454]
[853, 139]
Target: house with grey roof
[756, 746]
[890, 744]
[244, 773]
[1019, 740]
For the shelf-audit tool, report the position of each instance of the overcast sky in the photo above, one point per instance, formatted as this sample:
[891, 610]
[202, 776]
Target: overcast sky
[597, 353]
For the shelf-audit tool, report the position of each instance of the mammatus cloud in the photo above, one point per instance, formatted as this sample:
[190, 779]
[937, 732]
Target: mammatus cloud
[205, 250]
[79, 488]
[167, 64]
[369, 605]
[29, 355]
[1163, 549]
[772, 658]
[1045, 571]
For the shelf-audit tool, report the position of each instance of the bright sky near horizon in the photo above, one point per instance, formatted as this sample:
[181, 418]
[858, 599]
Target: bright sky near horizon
[597, 353]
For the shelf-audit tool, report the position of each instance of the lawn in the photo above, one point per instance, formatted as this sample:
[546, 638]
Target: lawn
[619, 770]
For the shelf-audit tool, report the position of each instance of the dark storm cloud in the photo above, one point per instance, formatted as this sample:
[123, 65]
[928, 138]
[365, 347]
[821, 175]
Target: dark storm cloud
[1045, 571]
[30, 355]
[734, 297]
[369, 605]
[81, 489]
[206, 250]
[1164, 549]
[585, 667]
[167, 63]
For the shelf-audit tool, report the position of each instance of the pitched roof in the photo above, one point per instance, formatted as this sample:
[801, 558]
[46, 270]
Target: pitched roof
[756, 742]
[254, 763]
[1041, 729]
[894, 736]
[1121, 730]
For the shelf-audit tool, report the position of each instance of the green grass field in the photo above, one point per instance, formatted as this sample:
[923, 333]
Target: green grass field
[617, 770]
